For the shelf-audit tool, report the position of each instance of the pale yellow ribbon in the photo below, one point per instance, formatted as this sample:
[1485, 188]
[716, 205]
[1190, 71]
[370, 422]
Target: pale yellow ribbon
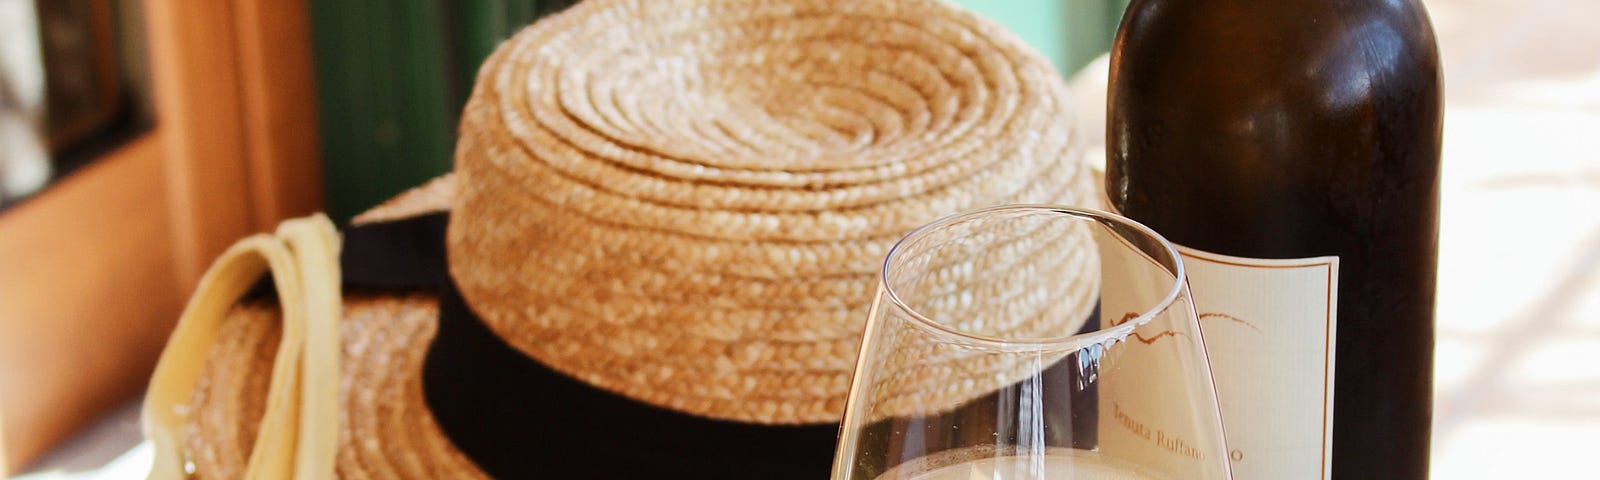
[299, 429]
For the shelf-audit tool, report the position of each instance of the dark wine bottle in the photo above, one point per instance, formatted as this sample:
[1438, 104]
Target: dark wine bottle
[1291, 147]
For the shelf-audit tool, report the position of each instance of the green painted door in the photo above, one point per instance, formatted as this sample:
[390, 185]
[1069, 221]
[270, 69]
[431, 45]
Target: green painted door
[391, 80]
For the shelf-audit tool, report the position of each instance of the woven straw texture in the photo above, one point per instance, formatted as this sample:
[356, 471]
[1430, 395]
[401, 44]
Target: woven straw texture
[687, 202]
[385, 428]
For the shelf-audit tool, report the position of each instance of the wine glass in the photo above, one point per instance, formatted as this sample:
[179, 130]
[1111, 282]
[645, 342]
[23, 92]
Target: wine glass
[1032, 341]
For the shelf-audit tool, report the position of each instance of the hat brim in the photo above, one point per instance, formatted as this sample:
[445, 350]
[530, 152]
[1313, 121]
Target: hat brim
[386, 429]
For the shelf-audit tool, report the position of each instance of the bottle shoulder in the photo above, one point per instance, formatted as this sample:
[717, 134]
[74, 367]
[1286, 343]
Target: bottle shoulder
[1268, 34]
[1256, 68]
[1286, 123]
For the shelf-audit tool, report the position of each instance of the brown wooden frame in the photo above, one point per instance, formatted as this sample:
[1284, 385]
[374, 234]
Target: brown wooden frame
[94, 269]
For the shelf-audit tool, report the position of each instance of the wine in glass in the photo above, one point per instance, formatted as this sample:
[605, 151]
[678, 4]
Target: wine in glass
[1032, 342]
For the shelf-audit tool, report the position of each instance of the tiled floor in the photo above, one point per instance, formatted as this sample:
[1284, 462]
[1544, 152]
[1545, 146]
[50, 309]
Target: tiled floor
[1518, 371]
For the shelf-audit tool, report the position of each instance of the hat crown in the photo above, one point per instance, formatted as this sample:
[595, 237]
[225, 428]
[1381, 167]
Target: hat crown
[687, 202]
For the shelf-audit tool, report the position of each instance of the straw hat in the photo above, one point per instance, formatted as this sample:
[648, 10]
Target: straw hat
[684, 204]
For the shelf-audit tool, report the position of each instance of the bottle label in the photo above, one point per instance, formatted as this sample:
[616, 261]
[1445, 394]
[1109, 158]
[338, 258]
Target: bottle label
[1269, 328]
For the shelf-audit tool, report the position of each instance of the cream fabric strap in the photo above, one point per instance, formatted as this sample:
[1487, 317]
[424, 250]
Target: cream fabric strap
[299, 429]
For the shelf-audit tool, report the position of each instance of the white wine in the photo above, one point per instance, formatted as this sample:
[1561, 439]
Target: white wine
[1058, 464]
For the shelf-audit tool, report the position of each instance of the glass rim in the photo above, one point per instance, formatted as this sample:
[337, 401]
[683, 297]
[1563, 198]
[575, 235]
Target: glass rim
[1065, 342]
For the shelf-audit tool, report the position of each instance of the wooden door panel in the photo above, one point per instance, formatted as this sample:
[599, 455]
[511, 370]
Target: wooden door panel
[280, 119]
[87, 292]
[197, 101]
[94, 270]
